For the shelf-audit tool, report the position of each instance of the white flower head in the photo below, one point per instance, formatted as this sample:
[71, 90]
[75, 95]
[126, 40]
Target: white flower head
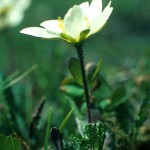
[79, 23]
[12, 12]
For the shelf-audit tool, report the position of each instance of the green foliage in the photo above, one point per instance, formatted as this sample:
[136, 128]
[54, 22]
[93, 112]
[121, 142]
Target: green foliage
[143, 111]
[14, 78]
[97, 70]
[47, 130]
[9, 143]
[95, 135]
[74, 68]
[72, 90]
[65, 121]
[118, 90]
[36, 117]
[93, 138]
[118, 96]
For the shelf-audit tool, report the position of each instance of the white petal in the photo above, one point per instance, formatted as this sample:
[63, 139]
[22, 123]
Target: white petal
[95, 10]
[84, 6]
[38, 32]
[14, 18]
[53, 26]
[99, 22]
[74, 22]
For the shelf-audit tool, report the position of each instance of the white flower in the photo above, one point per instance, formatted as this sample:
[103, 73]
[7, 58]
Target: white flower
[12, 12]
[79, 23]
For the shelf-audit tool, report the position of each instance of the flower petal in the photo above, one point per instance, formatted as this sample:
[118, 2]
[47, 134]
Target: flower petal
[53, 26]
[99, 22]
[95, 9]
[84, 6]
[38, 32]
[74, 22]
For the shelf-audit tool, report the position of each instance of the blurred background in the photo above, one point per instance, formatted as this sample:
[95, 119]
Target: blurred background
[124, 43]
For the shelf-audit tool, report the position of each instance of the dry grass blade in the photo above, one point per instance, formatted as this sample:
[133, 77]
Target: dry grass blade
[36, 116]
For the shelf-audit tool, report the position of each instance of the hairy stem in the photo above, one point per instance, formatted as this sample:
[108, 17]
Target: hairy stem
[80, 54]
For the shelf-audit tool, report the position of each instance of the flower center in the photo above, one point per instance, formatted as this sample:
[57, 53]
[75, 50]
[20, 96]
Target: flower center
[87, 22]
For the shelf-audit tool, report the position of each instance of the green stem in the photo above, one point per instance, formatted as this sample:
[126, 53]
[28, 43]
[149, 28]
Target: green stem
[80, 54]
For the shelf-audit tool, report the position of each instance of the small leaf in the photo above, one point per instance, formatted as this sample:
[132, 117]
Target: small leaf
[68, 80]
[84, 34]
[72, 90]
[90, 69]
[63, 124]
[98, 67]
[74, 67]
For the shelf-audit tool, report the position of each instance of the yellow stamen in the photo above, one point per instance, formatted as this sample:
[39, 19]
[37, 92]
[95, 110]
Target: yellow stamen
[87, 22]
[61, 23]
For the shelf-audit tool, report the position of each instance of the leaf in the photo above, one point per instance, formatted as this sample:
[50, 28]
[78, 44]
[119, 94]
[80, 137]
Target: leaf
[72, 90]
[20, 77]
[63, 124]
[143, 112]
[95, 133]
[74, 67]
[93, 138]
[90, 69]
[84, 34]
[68, 80]
[9, 143]
[47, 130]
[98, 67]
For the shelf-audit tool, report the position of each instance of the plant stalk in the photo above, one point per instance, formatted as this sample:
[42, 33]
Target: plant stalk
[80, 53]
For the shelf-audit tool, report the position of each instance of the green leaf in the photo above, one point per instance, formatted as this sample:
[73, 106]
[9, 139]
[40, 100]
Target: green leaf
[84, 34]
[74, 67]
[68, 80]
[143, 112]
[93, 138]
[9, 143]
[20, 77]
[63, 124]
[98, 67]
[90, 69]
[72, 90]
[47, 130]
[95, 133]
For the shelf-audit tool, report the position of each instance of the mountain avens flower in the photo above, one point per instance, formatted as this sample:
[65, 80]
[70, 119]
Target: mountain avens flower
[12, 12]
[79, 23]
